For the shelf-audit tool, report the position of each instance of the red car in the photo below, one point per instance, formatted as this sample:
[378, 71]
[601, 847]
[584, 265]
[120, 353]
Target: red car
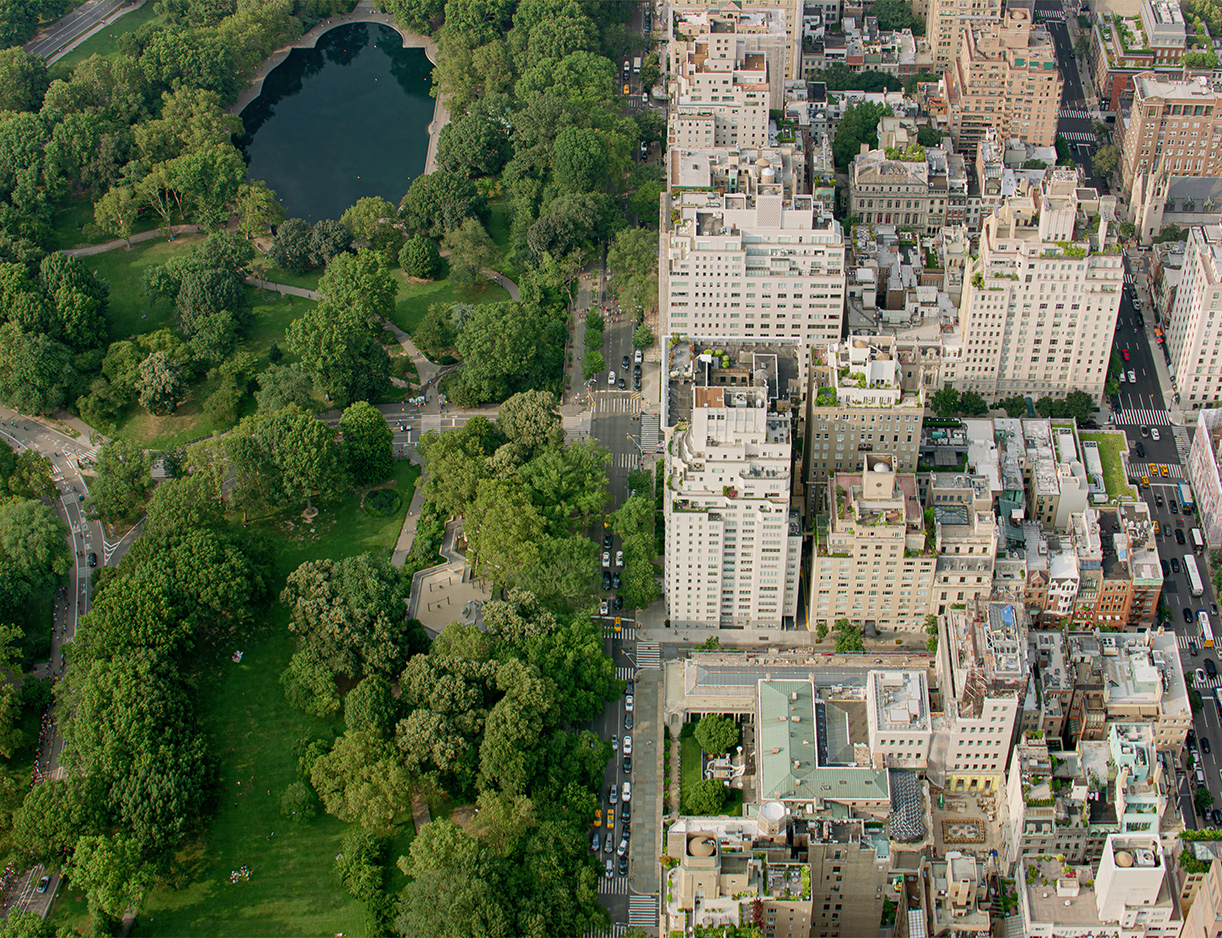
[1124, 354]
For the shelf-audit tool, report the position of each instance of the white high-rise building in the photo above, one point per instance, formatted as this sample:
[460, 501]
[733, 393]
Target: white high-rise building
[1039, 306]
[1194, 333]
[754, 267]
[733, 543]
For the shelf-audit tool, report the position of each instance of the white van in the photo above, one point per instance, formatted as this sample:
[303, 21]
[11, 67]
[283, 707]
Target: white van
[626, 794]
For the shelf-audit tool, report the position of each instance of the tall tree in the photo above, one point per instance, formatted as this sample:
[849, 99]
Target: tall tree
[368, 446]
[120, 488]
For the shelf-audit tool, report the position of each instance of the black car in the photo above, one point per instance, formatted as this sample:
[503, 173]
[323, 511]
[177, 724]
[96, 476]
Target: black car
[1189, 615]
[618, 603]
[627, 765]
[1158, 500]
[1216, 815]
[1213, 607]
[607, 541]
[1205, 744]
[636, 369]
[636, 382]
[1141, 449]
[627, 721]
[629, 687]
[623, 385]
[93, 559]
[626, 812]
[1141, 320]
[1175, 564]
[1179, 539]
[1190, 739]
[1192, 649]
[616, 580]
[1166, 568]
[1210, 668]
[625, 362]
[607, 581]
[623, 863]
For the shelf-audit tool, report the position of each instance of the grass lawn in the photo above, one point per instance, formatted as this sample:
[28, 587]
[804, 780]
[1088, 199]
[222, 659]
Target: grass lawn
[500, 227]
[308, 280]
[130, 313]
[689, 763]
[1112, 444]
[106, 42]
[72, 222]
[292, 888]
[270, 319]
[415, 298]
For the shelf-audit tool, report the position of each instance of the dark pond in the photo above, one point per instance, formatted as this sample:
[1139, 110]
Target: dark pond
[346, 119]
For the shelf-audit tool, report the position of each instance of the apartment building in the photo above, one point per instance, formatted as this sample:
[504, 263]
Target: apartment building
[897, 711]
[1174, 124]
[763, 24]
[1039, 310]
[1132, 894]
[957, 897]
[1206, 473]
[1137, 567]
[739, 171]
[982, 669]
[848, 881]
[860, 404]
[720, 94]
[1204, 917]
[913, 187]
[756, 267]
[1004, 77]
[1192, 331]
[873, 558]
[733, 541]
[948, 20]
[1122, 47]
[966, 537]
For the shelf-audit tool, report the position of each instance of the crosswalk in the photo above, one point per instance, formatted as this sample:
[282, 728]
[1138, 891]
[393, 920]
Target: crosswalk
[626, 632]
[1153, 470]
[617, 404]
[1078, 136]
[648, 656]
[1141, 416]
[625, 674]
[1129, 279]
[613, 887]
[643, 911]
[1183, 641]
[617, 931]
[626, 460]
[1183, 444]
[1071, 113]
[650, 432]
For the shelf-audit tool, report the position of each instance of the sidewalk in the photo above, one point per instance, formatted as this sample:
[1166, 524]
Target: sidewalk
[1166, 386]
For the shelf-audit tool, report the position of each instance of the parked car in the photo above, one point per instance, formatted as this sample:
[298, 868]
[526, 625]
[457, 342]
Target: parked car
[628, 703]
[619, 603]
[1205, 745]
[595, 842]
[606, 558]
[627, 751]
[623, 847]
[619, 558]
[624, 363]
[627, 765]
[607, 541]
[638, 357]
[636, 382]
[1213, 607]
[604, 608]
[627, 721]
[623, 862]
[614, 796]
[615, 580]
[606, 579]
[627, 797]
[598, 815]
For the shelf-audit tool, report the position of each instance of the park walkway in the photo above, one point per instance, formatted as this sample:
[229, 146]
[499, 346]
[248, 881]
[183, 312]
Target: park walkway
[89, 250]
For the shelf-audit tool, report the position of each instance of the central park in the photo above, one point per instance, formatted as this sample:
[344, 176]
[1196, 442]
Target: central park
[228, 230]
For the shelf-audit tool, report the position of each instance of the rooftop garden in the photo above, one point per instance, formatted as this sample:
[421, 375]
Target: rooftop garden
[913, 153]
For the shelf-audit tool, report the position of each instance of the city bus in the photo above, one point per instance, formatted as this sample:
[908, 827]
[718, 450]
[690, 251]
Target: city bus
[1198, 542]
[1207, 629]
[1195, 586]
[1218, 700]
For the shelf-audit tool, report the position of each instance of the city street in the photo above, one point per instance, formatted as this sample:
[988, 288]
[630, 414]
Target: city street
[1143, 411]
[75, 24]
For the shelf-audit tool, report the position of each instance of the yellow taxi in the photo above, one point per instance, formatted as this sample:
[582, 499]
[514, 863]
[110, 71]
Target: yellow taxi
[610, 819]
[1165, 471]
[626, 91]
[1155, 527]
[1145, 482]
[598, 817]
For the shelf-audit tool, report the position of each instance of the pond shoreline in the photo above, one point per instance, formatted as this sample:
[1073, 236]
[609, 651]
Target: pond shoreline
[364, 13]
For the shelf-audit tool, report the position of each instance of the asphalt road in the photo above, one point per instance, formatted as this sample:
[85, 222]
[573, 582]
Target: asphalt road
[1143, 401]
[75, 24]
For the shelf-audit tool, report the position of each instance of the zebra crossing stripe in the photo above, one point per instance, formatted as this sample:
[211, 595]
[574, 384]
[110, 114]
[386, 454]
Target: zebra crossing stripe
[643, 911]
[1142, 416]
[625, 674]
[648, 656]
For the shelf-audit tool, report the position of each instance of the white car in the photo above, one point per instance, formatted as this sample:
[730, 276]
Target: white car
[604, 607]
[1154, 433]
[1132, 377]
[606, 559]
[614, 787]
[628, 703]
[627, 752]
[610, 379]
[626, 795]
[638, 357]
[1201, 679]
[619, 558]
[614, 743]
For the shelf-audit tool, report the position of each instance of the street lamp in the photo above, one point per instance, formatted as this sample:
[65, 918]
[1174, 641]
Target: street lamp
[636, 443]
